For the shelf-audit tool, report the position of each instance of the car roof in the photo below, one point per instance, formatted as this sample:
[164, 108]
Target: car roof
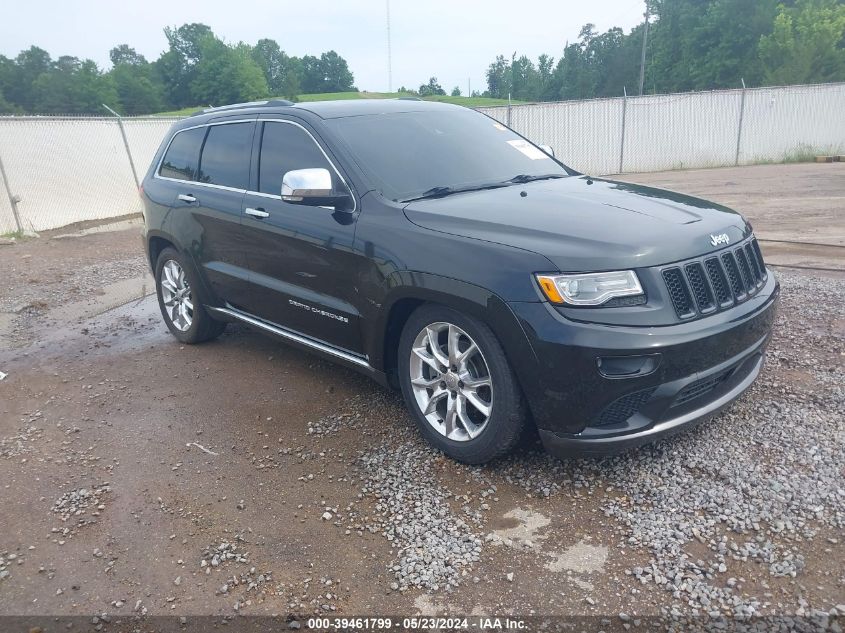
[363, 107]
[324, 109]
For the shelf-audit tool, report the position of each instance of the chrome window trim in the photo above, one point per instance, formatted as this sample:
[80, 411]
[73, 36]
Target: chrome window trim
[202, 184]
[196, 182]
[271, 196]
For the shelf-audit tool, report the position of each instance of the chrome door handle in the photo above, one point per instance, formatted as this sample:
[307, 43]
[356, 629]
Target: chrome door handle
[186, 197]
[256, 213]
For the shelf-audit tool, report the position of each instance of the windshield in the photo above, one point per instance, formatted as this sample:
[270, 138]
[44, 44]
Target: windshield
[411, 154]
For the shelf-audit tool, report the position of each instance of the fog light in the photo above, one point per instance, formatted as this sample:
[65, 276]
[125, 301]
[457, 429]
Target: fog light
[627, 366]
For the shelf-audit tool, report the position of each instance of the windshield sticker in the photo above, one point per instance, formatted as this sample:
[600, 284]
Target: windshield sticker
[499, 126]
[528, 149]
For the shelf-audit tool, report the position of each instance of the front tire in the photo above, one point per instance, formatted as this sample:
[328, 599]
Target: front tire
[183, 312]
[458, 385]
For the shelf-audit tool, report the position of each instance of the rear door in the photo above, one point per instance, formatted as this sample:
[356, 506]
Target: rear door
[210, 166]
[302, 265]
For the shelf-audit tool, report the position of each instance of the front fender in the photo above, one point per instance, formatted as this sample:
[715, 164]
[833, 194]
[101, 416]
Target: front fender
[403, 287]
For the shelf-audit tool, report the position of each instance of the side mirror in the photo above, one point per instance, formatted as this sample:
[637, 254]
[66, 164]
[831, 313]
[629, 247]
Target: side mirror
[548, 149]
[312, 187]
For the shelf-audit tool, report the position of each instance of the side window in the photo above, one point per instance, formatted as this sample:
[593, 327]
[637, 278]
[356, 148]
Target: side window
[285, 147]
[225, 155]
[182, 158]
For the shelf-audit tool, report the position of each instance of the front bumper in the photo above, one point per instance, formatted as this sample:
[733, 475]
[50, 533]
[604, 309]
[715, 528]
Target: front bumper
[693, 370]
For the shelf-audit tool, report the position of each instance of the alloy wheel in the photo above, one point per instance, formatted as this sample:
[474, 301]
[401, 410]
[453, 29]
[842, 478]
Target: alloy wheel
[176, 295]
[451, 381]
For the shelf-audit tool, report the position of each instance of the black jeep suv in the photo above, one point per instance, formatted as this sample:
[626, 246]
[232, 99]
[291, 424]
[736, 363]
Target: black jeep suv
[438, 251]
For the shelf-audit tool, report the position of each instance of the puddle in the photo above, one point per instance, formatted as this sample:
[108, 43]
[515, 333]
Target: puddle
[525, 533]
[16, 333]
[112, 296]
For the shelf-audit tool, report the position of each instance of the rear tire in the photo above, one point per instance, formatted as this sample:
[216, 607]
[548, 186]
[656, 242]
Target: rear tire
[182, 309]
[458, 385]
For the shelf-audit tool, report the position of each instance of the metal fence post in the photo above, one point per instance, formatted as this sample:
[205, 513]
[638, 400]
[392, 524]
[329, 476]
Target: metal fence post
[13, 199]
[624, 117]
[509, 110]
[741, 119]
[125, 144]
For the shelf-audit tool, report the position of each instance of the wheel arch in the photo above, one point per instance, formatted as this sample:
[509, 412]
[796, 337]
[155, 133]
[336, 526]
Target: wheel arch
[156, 243]
[409, 290]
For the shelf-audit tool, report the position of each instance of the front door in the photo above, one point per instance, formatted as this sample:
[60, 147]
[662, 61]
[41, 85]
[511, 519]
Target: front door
[302, 266]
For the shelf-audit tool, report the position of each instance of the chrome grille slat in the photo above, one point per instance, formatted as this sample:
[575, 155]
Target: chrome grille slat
[701, 286]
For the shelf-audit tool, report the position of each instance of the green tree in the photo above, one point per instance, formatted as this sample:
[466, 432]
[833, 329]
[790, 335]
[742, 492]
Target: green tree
[328, 73]
[311, 75]
[807, 44]
[29, 65]
[698, 45]
[546, 88]
[525, 81]
[336, 74]
[431, 88]
[456, 91]
[498, 78]
[226, 74]
[139, 89]
[5, 106]
[574, 73]
[279, 70]
[125, 54]
[177, 66]
[72, 86]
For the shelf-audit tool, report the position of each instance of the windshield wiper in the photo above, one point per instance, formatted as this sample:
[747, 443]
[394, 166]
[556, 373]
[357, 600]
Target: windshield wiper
[441, 192]
[521, 178]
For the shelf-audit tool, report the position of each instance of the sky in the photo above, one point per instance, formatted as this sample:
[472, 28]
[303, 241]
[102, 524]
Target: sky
[453, 40]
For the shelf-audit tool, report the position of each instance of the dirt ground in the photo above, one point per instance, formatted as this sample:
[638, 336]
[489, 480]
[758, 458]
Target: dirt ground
[797, 210]
[130, 464]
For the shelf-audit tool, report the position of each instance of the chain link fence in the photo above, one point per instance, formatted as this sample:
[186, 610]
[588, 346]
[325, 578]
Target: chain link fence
[685, 131]
[59, 171]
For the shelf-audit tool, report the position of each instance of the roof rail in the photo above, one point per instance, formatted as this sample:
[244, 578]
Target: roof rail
[248, 104]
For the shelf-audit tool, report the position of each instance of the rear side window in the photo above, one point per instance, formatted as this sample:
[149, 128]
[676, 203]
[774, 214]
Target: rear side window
[285, 147]
[225, 155]
[182, 158]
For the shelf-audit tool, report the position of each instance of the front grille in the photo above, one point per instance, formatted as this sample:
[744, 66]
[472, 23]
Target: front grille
[701, 387]
[729, 262]
[702, 286]
[752, 260]
[745, 269]
[623, 408]
[720, 283]
[678, 292]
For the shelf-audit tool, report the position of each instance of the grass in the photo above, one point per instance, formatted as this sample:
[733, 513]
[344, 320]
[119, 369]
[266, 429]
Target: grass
[801, 153]
[13, 235]
[470, 102]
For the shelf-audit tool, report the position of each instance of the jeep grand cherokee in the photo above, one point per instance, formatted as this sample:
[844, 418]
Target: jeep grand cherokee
[439, 252]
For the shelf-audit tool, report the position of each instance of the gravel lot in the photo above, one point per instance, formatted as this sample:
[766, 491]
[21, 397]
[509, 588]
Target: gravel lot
[142, 478]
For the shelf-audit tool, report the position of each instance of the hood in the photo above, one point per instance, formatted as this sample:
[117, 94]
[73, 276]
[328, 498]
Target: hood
[582, 227]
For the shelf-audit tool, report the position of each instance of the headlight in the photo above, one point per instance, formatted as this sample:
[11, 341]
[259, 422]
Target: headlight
[589, 289]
